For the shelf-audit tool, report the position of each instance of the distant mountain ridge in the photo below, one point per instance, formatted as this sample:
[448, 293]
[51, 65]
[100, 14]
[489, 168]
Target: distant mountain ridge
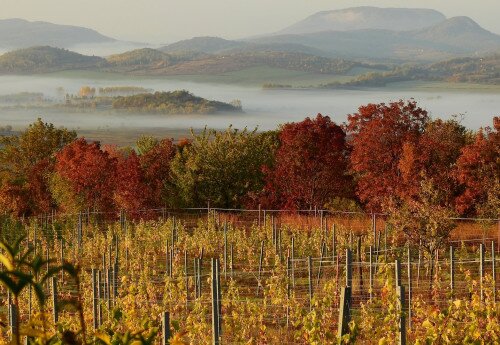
[454, 37]
[20, 33]
[366, 17]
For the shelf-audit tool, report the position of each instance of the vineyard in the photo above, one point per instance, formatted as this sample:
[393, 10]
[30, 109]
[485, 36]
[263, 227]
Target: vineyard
[217, 276]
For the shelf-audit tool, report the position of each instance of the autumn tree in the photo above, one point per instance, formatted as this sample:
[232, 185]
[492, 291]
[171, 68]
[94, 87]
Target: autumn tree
[222, 168]
[434, 155]
[424, 220]
[25, 164]
[86, 92]
[378, 134]
[84, 177]
[145, 143]
[132, 191]
[311, 166]
[155, 161]
[478, 171]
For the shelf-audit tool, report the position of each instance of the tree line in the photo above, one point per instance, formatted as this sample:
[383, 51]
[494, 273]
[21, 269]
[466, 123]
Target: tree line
[384, 156]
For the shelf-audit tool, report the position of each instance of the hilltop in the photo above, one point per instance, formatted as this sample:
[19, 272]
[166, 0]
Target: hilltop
[20, 33]
[366, 17]
[45, 59]
[450, 38]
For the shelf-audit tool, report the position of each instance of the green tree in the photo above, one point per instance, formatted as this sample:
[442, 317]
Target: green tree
[223, 168]
[25, 162]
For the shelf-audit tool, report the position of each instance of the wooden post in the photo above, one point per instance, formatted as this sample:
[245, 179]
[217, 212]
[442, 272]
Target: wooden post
[400, 290]
[409, 287]
[371, 272]
[293, 262]
[360, 267]
[493, 271]
[108, 287]
[348, 268]
[231, 259]
[261, 257]
[385, 244]
[334, 242]
[452, 271]
[165, 326]
[215, 304]
[55, 315]
[167, 257]
[225, 249]
[481, 269]
[200, 270]
[100, 294]
[309, 275]
[288, 286]
[13, 312]
[95, 299]
[397, 273]
[186, 277]
[195, 277]
[419, 261]
[321, 256]
[219, 296]
[344, 311]
[171, 261]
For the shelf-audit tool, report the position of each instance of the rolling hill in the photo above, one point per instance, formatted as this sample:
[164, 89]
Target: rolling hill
[20, 33]
[45, 59]
[454, 37]
[366, 17]
[476, 70]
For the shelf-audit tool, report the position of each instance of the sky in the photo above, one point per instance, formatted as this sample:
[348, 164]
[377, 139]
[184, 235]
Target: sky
[166, 21]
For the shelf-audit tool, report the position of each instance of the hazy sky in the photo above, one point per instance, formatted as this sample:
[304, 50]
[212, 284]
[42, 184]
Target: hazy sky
[164, 21]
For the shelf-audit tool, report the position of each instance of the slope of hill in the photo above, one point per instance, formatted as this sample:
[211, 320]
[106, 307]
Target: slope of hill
[360, 18]
[46, 59]
[141, 59]
[157, 63]
[462, 33]
[483, 70]
[202, 45]
[19, 33]
[451, 38]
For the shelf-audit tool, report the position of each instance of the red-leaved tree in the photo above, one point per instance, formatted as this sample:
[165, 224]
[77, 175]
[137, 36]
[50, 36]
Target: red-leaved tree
[378, 133]
[310, 167]
[85, 177]
[433, 156]
[156, 166]
[132, 191]
[478, 170]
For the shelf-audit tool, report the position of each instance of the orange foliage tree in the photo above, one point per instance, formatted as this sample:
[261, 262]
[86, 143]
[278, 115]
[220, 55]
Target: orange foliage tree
[478, 170]
[155, 164]
[433, 155]
[378, 133]
[310, 167]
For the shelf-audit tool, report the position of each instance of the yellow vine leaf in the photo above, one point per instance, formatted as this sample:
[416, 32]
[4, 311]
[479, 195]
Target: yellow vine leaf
[104, 337]
[6, 262]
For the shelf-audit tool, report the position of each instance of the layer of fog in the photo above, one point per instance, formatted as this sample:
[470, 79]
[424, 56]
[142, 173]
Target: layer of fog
[265, 109]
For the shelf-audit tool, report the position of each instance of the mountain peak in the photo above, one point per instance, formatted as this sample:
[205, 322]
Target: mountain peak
[367, 17]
